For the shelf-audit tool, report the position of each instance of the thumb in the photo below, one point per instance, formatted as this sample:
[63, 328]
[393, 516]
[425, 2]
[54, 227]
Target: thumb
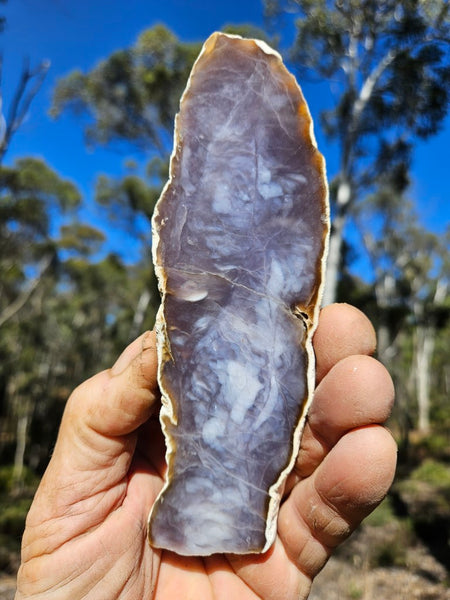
[116, 401]
[104, 411]
[94, 449]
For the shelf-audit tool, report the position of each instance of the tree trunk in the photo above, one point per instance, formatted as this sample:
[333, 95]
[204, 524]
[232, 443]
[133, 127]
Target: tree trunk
[334, 260]
[139, 313]
[384, 293]
[21, 443]
[12, 309]
[425, 339]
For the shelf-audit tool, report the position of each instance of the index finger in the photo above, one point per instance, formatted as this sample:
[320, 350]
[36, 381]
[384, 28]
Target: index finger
[342, 331]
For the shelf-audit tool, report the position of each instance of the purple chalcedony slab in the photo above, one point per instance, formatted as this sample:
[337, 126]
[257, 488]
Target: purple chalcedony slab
[240, 236]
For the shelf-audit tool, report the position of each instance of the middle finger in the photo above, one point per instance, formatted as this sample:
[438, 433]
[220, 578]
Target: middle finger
[358, 391]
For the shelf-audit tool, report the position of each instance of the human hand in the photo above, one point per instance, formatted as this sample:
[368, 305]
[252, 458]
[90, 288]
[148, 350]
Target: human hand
[86, 532]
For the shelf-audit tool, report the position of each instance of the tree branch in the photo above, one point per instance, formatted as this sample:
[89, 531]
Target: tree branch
[15, 306]
[21, 101]
[368, 86]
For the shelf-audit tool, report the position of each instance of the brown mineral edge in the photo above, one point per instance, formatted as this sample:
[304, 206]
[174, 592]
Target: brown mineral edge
[239, 242]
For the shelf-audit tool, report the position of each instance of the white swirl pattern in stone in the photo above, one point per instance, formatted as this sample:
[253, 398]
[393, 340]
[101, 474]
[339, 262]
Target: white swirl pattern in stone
[240, 235]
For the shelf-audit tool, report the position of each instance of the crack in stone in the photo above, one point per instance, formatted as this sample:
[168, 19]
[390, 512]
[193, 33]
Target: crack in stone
[297, 313]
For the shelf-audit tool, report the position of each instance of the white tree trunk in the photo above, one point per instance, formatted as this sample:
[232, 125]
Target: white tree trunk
[139, 313]
[384, 293]
[334, 260]
[21, 443]
[12, 309]
[425, 339]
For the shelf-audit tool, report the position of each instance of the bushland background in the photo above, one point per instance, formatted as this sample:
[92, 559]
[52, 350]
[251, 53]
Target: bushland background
[85, 135]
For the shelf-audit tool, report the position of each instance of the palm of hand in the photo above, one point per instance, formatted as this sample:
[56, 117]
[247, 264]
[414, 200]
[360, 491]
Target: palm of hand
[86, 531]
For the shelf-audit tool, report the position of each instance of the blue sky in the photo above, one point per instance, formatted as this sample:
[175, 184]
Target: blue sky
[78, 34]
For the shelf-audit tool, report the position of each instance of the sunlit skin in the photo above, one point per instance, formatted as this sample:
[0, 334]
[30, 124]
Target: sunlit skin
[85, 535]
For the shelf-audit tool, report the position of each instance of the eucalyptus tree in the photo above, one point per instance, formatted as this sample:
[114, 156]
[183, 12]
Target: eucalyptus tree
[131, 98]
[129, 201]
[29, 84]
[31, 194]
[388, 64]
[411, 278]
[429, 275]
[132, 95]
[30, 191]
[59, 311]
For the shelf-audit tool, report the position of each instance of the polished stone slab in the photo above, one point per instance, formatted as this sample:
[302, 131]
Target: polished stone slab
[240, 237]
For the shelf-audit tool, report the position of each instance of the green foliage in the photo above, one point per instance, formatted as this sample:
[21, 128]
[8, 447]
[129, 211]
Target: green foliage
[390, 536]
[427, 492]
[355, 592]
[389, 67]
[30, 190]
[80, 238]
[392, 62]
[66, 310]
[32, 176]
[7, 482]
[434, 473]
[391, 552]
[384, 540]
[12, 517]
[436, 445]
[12, 523]
[382, 515]
[9, 550]
[31, 194]
[127, 197]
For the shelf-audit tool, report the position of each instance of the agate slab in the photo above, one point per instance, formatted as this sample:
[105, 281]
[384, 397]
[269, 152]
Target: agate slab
[240, 235]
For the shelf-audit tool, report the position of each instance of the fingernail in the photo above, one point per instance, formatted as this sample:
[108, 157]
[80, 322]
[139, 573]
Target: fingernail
[129, 354]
